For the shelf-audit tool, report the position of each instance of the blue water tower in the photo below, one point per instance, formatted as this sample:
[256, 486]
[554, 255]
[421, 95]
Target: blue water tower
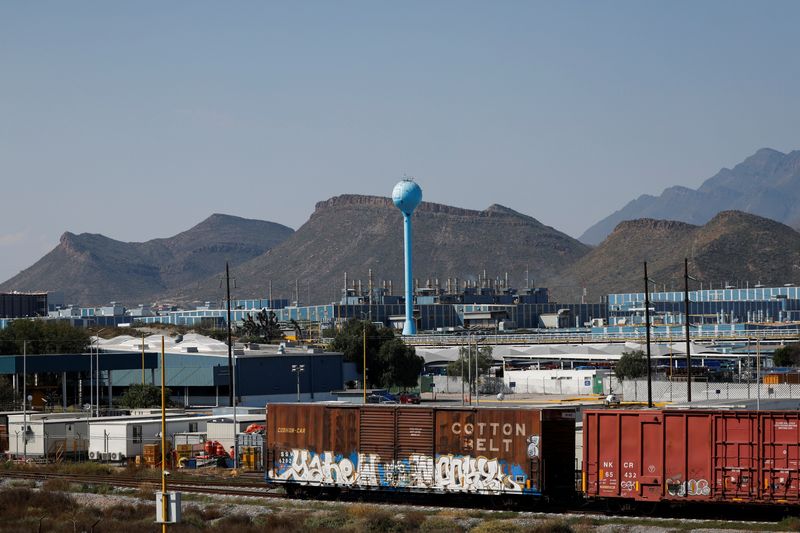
[406, 196]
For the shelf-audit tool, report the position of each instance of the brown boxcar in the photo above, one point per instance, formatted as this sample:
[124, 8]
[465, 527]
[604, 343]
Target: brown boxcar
[443, 449]
[692, 455]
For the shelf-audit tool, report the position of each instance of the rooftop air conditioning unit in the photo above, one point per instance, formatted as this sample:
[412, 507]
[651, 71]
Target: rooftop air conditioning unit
[92, 455]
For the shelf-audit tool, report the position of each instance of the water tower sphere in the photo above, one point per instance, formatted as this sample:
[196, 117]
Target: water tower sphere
[406, 196]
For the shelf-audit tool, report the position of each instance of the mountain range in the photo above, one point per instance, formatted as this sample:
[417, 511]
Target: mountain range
[767, 184]
[94, 269]
[732, 248]
[354, 234]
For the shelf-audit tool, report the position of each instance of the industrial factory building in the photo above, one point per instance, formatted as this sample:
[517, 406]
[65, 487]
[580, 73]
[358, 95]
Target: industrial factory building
[197, 371]
[23, 304]
[434, 309]
[710, 306]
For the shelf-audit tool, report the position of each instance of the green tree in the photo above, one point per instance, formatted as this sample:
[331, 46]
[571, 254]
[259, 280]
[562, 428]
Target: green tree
[400, 364]
[466, 360]
[142, 396]
[8, 400]
[350, 341]
[264, 328]
[42, 337]
[631, 365]
[788, 355]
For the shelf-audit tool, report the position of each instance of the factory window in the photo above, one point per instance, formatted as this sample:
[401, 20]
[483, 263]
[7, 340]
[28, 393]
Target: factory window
[192, 427]
[137, 434]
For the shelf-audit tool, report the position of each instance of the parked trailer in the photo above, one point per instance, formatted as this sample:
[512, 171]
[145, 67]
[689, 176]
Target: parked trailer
[426, 449]
[120, 439]
[39, 434]
[692, 455]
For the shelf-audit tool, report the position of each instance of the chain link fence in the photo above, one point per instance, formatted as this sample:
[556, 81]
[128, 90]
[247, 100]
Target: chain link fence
[676, 391]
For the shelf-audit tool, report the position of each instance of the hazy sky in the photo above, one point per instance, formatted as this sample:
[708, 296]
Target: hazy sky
[139, 119]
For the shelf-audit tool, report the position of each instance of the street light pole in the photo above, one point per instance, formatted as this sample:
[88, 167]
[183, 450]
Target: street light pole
[297, 369]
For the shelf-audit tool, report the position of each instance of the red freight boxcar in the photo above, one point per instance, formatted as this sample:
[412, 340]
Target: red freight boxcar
[692, 455]
[417, 448]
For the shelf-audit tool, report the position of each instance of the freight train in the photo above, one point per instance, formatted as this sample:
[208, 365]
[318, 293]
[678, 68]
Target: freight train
[629, 456]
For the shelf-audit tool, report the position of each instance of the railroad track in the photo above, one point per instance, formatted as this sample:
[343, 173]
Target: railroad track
[238, 487]
[233, 487]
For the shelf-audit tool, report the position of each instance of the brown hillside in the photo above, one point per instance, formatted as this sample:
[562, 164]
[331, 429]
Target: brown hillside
[91, 269]
[353, 233]
[733, 247]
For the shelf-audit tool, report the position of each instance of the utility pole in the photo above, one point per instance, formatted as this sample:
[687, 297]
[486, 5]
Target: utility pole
[230, 345]
[24, 399]
[686, 279]
[477, 353]
[647, 335]
[462, 376]
[469, 367]
[164, 508]
[364, 365]
[142, 359]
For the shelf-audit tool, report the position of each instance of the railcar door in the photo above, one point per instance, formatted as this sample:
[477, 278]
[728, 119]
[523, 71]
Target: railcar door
[377, 438]
[414, 467]
[647, 475]
[780, 453]
[735, 455]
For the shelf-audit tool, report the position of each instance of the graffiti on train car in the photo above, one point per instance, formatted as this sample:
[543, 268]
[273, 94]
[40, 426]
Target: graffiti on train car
[303, 465]
[467, 473]
[451, 473]
[692, 487]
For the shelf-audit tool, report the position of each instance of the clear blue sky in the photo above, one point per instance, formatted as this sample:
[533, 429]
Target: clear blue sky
[139, 119]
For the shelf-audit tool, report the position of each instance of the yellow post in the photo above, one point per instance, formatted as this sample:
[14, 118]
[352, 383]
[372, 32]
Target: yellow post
[163, 443]
[365, 363]
[142, 359]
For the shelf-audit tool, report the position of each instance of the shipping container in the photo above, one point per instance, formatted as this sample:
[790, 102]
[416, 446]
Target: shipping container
[419, 448]
[692, 455]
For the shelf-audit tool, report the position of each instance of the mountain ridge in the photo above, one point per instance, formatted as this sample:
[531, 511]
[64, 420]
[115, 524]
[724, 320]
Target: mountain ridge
[90, 268]
[732, 246]
[355, 233]
[767, 184]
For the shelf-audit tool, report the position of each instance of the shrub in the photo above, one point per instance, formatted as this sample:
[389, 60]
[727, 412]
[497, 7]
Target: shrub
[413, 519]
[440, 524]
[56, 485]
[553, 526]
[790, 523]
[497, 526]
[325, 521]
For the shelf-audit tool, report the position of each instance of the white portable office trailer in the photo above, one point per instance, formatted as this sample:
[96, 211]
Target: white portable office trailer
[118, 440]
[62, 434]
[53, 434]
